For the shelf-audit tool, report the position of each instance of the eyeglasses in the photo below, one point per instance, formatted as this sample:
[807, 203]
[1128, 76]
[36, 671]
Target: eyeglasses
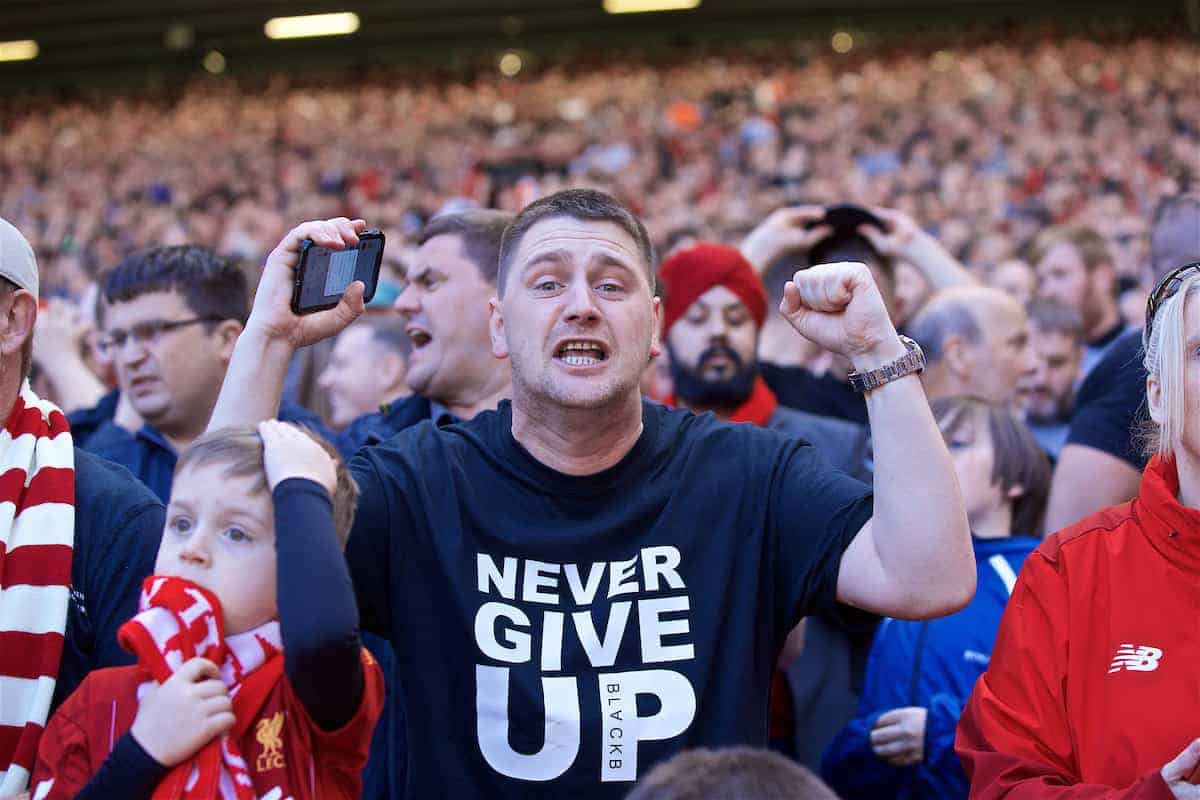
[1166, 289]
[144, 334]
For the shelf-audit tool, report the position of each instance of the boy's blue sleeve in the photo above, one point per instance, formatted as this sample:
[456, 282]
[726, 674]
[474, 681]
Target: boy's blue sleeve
[942, 773]
[318, 618]
[852, 769]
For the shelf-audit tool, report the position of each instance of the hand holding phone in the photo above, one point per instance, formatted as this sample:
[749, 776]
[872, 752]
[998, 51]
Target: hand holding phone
[324, 273]
[272, 318]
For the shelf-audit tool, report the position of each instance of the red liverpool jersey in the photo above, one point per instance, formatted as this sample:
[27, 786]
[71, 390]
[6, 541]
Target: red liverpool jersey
[282, 747]
[1093, 684]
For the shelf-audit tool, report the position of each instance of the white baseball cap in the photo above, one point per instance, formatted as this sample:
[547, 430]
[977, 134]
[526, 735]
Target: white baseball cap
[17, 262]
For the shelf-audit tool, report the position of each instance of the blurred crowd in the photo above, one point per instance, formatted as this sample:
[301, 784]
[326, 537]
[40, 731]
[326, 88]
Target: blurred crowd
[983, 145]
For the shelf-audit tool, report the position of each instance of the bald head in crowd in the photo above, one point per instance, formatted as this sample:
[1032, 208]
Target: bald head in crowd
[976, 341]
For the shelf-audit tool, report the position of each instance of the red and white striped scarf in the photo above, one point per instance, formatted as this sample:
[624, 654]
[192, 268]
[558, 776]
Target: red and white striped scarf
[37, 536]
[178, 621]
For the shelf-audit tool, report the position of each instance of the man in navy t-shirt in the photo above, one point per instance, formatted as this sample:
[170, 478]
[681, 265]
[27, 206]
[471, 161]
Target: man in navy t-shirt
[583, 583]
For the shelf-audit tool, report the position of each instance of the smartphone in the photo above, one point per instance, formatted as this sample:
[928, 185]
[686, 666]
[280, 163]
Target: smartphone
[324, 273]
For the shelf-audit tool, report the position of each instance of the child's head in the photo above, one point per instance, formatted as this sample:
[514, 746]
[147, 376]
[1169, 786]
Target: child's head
[1002, 471]
[220, 530]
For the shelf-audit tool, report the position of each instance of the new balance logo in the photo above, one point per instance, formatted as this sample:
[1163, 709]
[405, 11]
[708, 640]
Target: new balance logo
[1135, 659]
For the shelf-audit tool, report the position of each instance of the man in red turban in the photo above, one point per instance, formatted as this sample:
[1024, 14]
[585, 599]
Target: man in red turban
[714, 306]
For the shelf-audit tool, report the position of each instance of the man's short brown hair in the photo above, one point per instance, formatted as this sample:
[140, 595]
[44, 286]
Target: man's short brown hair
[1091, 245]
[581, 204]
[730, 774]
[480, 231]
[240, 450]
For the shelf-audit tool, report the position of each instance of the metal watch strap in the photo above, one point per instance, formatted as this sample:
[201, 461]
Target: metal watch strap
[911, 362]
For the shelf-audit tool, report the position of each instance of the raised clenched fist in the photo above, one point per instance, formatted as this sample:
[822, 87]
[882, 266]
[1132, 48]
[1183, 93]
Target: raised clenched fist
[838, 306]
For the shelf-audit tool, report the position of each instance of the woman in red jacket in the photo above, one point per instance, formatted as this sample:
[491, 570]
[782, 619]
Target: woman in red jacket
[1093, 690]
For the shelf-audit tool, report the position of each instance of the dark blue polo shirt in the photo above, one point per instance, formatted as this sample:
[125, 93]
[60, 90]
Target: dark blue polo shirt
[389, 420]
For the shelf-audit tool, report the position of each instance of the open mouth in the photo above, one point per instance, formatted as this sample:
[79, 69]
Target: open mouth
[581, 353]
[419, 337]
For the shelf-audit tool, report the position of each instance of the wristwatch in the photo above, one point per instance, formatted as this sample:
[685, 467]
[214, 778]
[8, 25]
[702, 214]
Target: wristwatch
[911, 362]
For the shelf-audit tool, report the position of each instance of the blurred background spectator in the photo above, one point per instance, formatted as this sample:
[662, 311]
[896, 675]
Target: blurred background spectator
[735, 773]
[984, 144]
[366, 368]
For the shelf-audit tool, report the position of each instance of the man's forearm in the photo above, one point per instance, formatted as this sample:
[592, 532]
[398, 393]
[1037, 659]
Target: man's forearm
[1085, 481]
[920, 525]
[941, 269]
[914, 559]
[253, 383]
[75, 385]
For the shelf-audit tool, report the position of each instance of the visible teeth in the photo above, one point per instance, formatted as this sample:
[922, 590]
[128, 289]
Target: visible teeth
[595, 352]
[580, 361]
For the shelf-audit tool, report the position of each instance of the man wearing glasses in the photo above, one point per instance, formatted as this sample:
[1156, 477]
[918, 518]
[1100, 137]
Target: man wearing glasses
[169, 320]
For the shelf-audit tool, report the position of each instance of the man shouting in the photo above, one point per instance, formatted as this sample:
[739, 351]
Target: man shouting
[581, 583]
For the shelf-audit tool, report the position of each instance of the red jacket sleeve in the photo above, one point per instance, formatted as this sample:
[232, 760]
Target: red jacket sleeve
[1014, 737]
[63, 766]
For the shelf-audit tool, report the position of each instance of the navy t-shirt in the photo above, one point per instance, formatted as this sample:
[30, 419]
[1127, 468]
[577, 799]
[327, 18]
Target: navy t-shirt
[1110, 407]
[823, 395]
[556, 636]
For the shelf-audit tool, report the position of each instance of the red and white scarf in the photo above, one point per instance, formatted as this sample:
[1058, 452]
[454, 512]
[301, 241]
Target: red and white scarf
[178, 621]
[37, 536]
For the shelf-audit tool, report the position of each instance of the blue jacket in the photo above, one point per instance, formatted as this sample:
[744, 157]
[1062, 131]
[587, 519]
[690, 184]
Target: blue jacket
[932, 664]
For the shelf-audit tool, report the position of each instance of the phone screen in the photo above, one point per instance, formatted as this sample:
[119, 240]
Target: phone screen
[342, 265]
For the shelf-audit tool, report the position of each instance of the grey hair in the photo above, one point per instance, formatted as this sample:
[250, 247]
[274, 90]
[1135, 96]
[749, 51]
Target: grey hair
[1164, 360]
[938, 322]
